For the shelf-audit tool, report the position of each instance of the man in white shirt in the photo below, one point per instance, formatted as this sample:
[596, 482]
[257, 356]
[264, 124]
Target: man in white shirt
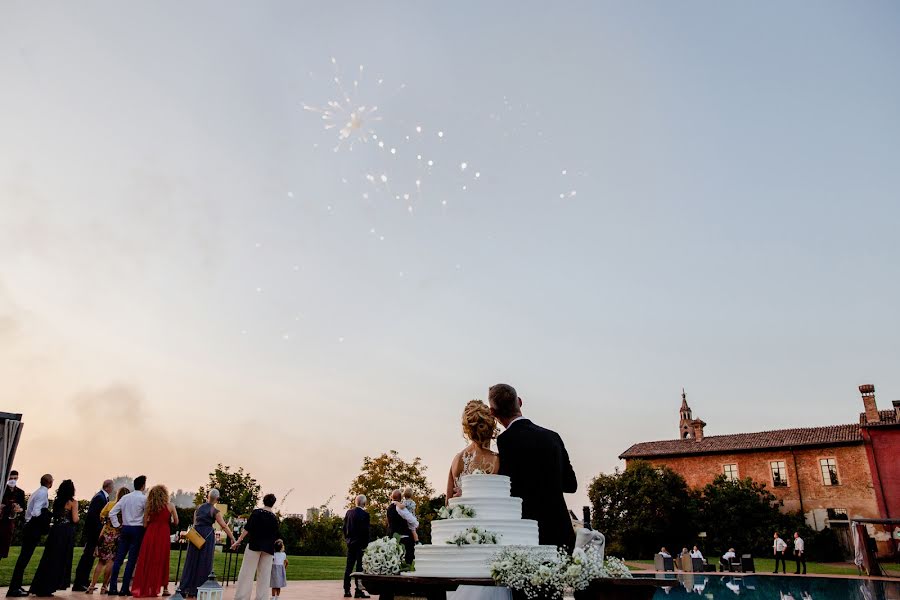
[726, 559]
[779, 546]
[129, 514]
[37, 523]
[799, 553]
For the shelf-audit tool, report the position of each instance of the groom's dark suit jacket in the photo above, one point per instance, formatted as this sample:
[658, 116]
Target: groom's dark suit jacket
[536, 461]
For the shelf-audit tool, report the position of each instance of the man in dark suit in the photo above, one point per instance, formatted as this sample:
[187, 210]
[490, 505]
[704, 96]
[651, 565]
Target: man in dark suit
[536, 461]
[11, 510]
[356, 532]
[91, 533]
[402, 522]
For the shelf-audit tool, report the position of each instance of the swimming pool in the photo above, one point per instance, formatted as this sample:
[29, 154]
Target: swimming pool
[755, 587]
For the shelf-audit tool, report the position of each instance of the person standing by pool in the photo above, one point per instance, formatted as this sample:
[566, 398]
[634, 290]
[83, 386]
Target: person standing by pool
[799, 552]
[199, 561]
[778, 549]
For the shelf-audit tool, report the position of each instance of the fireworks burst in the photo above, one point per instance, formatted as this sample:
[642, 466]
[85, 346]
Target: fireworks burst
[354, 120]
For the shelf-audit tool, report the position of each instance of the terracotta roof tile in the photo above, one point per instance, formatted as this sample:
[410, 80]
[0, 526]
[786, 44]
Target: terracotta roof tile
[742, 442]
[888, 417]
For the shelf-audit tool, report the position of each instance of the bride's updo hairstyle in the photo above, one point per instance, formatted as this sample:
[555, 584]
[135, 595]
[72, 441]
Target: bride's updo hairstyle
[479, 425]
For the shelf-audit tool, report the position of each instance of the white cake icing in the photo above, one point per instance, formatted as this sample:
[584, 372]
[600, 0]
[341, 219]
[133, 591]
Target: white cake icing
[489, 486]
[491, 508]
[464, 561]
[514, 533]
[495, 511]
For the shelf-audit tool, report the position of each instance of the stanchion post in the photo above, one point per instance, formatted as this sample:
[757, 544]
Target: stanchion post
[178, 541]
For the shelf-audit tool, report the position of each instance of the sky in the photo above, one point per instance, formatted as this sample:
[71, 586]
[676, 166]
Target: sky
[655, 196]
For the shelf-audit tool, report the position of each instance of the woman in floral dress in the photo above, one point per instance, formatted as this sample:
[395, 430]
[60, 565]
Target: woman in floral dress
[106, 545]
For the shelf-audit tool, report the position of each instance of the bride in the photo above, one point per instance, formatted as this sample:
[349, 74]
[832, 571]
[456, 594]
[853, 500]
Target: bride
[479, 428]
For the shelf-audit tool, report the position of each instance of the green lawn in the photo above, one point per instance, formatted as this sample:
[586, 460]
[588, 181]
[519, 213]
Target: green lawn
[299, 567]
[767, 565]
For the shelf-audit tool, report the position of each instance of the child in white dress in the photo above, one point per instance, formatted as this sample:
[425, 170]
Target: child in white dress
[279, 573]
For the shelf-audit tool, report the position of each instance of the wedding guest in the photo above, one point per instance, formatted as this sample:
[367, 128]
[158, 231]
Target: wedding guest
[778, 548]
[410, 505]
[278, 579]
[199, 562]
[684, 560]
[400, 522]
[37, 523]
[54, 572]
[107, 544]
[725, 561]
[90, 535]
[128, 513]
[799, 553]
[151, 575]
[262, 527]
[664, 553]
[695, 553]
[11, 509]
[356, 533]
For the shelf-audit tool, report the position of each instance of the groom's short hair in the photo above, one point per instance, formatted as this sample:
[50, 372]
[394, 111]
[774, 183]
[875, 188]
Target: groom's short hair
[504, 400]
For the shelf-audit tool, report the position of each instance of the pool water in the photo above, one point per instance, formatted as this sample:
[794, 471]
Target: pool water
[754, 587]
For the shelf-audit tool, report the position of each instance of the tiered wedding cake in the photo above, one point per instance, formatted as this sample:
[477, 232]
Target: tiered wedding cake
[495, 511]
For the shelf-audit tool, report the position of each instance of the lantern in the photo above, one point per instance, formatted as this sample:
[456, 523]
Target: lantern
[210, 590]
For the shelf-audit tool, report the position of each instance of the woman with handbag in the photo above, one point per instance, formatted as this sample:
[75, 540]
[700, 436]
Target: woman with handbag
[202, 548]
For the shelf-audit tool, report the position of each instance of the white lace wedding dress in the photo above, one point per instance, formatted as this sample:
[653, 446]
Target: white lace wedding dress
[476, 592]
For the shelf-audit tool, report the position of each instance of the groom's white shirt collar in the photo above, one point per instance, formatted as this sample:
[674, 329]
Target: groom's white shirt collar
[514, 420]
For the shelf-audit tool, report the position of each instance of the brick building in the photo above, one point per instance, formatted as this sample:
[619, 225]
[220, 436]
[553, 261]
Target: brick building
[830, 474]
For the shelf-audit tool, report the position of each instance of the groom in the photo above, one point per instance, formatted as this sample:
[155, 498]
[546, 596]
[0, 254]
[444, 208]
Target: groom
[536, 461]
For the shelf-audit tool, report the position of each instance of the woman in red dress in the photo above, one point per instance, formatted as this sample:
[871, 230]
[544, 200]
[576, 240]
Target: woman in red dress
[151, 574]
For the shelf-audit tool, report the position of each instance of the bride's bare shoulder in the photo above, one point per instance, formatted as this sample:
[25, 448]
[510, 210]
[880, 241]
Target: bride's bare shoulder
[457, 464]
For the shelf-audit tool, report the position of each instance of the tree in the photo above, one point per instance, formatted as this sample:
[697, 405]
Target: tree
[383, 474]
[291, 529]
[642, 508]
[428, 511]
[237, 489]
[743, 514]
[323, 536]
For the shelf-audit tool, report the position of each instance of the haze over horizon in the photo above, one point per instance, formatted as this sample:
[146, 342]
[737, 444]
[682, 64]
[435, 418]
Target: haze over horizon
[623, 200]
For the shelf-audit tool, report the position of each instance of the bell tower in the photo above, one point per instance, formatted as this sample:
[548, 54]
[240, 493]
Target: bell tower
[685, 429]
